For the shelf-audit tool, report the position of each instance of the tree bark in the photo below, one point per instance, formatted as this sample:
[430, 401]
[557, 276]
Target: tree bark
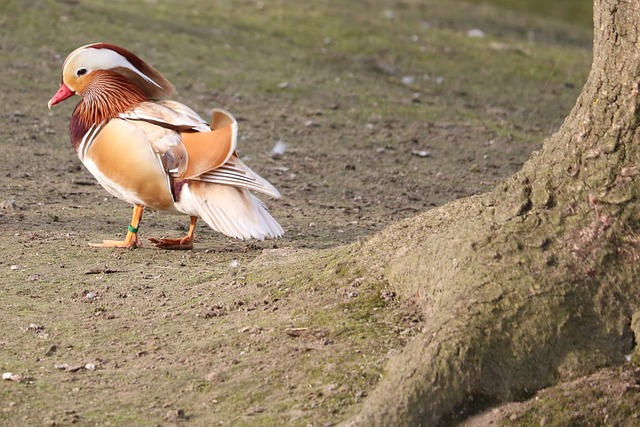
[536, 281]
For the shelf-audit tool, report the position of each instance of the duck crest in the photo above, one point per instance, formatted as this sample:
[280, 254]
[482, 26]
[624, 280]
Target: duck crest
[154, 85]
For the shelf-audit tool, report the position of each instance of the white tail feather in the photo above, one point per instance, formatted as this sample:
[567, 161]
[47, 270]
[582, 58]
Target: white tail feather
[235, 172]
[234, 212]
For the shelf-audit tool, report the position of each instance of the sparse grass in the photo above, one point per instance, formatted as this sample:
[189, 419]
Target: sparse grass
[577, 12]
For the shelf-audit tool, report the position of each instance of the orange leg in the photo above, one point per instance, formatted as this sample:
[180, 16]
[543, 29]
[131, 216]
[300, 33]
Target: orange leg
[129, 242]
[184, 243]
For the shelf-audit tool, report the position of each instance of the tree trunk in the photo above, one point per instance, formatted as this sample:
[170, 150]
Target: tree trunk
[536, 281]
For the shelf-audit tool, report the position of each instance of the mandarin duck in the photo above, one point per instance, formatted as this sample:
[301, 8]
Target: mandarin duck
[157, 153]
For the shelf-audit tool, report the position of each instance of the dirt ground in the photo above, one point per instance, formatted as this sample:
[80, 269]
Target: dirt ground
[384, 110]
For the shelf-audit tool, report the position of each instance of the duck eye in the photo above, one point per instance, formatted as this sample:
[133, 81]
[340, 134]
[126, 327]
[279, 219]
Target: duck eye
[81, 72]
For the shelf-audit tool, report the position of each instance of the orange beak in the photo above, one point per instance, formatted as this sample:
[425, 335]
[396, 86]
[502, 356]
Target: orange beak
[63, 93]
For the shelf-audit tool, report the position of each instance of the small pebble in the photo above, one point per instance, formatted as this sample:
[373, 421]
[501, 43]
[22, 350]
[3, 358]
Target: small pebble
[421, 153]
[8, 205]
[408, 80]
[35, 327]
[475, 33]
[234, 263]
[176, 415]
[90, 295]
[279, 149]
[10, 376]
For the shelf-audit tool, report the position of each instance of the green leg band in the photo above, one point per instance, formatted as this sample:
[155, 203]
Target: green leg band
[132, 229]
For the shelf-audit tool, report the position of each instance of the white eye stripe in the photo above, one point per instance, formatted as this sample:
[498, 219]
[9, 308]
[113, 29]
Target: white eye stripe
[105, 59]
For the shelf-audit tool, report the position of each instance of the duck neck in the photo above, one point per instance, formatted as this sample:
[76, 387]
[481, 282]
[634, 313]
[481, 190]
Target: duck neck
[104, 98]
